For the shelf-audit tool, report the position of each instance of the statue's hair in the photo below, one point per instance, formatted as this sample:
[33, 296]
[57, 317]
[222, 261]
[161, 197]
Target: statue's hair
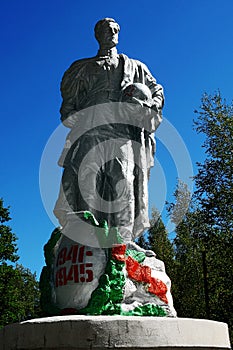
[101, 23]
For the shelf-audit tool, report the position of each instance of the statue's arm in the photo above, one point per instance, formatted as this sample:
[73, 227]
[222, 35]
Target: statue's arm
[71, 91]
[156, 90]
[67, 111]
[143, 75]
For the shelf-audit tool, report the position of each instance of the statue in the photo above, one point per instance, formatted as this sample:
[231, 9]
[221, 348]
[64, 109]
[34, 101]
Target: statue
[104, 79]
[113, 105]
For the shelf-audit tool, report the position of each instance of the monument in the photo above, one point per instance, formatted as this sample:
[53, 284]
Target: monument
[112, 105]
[99, 289]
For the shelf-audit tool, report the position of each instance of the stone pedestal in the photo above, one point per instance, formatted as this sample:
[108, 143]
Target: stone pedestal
[110, 332]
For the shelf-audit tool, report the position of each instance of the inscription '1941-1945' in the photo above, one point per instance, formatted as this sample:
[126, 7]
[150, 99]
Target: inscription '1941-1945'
[76, 269]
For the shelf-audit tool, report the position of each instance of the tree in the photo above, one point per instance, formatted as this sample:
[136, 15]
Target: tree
[214, 196]
[8, 239]
[204, 240]
[189, 283]
[19, 292]
[158, 241]
[188, 280]
[178, 210]
[214, 180]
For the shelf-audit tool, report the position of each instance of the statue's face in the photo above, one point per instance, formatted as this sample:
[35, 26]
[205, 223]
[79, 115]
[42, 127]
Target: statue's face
[109, 35]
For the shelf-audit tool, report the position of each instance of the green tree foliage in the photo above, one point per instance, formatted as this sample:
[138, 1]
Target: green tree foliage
[159, 242]
[178, 210]
[214, 195]
[214, 180]
[19, 292]
[188, 285]
[8, 239]
[142, 242]
[203, 286]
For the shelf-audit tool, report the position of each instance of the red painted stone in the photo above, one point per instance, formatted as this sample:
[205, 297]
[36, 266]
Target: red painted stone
[140, 273]
[118, 252]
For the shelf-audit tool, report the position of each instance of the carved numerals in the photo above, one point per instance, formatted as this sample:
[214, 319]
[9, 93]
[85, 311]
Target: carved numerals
[76, 270]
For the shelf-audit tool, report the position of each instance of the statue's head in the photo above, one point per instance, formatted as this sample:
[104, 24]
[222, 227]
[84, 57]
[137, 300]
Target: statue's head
[106, 32]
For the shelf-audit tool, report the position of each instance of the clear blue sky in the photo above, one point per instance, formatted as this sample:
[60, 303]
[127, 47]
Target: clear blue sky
[187, 45]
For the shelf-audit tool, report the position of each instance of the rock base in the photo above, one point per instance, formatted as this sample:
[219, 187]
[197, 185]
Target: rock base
[122, 280]
[110, 332]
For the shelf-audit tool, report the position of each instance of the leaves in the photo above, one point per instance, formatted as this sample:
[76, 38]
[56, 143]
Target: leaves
[19, 290]
[19, 294]
[4, 212]
[158, 241]
[214, 180]
[203, 284]
[8, 248]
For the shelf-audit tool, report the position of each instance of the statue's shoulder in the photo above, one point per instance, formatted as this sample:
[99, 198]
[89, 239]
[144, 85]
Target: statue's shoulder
[142, 65]
[77, 68]
[134, 62]
[79, 64]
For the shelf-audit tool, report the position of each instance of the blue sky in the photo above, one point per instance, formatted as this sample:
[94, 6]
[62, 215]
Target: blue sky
[187, 45]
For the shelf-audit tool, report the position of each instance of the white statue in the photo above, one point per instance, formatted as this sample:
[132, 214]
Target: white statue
[108, 97]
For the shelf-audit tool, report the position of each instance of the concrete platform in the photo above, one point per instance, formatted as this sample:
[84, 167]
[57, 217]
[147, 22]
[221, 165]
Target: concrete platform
[111, 332]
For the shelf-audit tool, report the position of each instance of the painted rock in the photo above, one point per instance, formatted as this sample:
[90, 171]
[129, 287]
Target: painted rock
[103, 281]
